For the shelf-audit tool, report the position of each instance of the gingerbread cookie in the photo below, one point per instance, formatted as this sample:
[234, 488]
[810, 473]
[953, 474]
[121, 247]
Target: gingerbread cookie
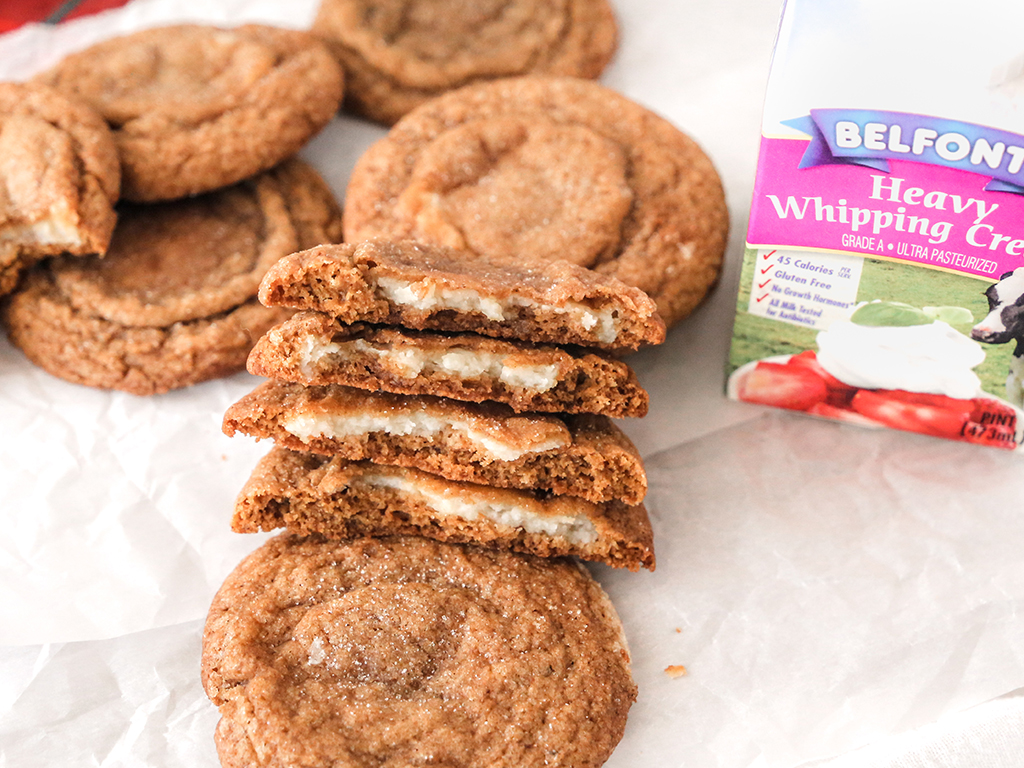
[405, 651]
[556, 168]
[585, 456]
[312, 493]
[313, 348]
[196, 108]
[59, 178]
[399, 54]
[173, 301]
[432, 287]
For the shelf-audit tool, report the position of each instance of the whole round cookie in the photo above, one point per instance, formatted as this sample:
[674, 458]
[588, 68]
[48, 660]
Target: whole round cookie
[407, 651]
[196, 108]
[559, 168]
[400, 53]
[59, 178]
[174, 301]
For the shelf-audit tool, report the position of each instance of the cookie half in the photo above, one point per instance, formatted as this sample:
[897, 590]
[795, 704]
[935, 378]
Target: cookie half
[431, 287]
[311, 493]
[398, 54]
[557, 168]
[406, 651]
[173, 301]
[59, 175]
[195, 108]
[489, 444]
[315, 349]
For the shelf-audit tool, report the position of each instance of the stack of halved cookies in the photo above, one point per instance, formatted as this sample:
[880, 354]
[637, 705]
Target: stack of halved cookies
[443, 440]
[419, 391]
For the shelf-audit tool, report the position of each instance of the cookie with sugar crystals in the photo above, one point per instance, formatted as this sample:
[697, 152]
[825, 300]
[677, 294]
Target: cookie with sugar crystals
[489, 444]
[557, 168]
[311, 493]
[195, 108]
[315, 349]
[437, 288]
[398, 54]
[406, 651]
[174, 301]
[59, 176]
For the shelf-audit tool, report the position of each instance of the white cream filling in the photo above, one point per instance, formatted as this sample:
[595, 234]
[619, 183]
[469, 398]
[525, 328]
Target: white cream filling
[429, 296]
[461, 363]
[576, 529]
[46, 232]
[317, 652]
[417, 424]
[313, 351]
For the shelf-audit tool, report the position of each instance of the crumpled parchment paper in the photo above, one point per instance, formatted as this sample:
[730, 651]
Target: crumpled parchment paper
[823, 586]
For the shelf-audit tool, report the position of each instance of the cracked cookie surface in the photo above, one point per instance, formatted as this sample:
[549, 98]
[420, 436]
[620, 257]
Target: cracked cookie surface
[406, 651]
[174, 301]
[554, 168]
[195, 108]
[401, 53]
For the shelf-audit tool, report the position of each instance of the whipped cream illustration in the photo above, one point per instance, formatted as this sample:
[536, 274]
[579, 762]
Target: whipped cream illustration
[929, 357]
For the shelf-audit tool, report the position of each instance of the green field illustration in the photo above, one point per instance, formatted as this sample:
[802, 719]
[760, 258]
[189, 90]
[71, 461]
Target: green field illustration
[755, 338]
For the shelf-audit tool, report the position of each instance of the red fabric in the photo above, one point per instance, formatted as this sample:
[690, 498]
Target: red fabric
[14, 13]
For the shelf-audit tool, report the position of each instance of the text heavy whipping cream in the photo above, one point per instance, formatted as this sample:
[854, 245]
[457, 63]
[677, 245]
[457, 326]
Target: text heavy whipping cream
[886, 222]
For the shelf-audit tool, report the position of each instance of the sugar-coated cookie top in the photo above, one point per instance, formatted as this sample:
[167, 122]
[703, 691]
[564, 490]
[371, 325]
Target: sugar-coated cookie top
[400, 53]
[403, 651]
[195, 107]
[193, 258]
[556, 168]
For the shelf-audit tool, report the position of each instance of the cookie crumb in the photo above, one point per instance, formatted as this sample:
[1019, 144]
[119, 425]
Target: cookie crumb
[679, 630]
[675, 670]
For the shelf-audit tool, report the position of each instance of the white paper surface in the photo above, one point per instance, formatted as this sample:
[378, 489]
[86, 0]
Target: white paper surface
[810, 618]
[831, 586]
[130, 701]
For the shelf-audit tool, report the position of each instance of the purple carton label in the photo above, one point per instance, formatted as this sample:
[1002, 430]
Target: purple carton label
[937, 192]
[864, 135]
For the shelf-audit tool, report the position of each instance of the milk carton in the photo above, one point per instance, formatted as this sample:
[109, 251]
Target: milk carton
[883, 280]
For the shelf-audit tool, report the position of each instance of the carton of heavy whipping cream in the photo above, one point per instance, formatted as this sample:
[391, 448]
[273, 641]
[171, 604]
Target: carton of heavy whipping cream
[883, 280]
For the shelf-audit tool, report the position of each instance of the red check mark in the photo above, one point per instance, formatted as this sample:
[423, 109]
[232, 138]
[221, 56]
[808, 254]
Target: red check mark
[762, 285]
[767, 268]
[759, 299]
